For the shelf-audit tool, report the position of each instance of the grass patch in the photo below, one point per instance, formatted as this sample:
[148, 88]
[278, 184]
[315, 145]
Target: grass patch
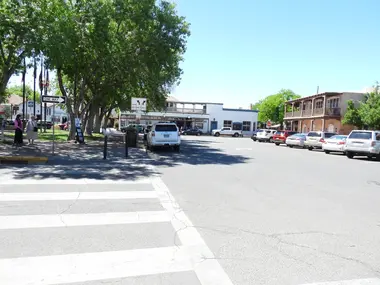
[60, 136]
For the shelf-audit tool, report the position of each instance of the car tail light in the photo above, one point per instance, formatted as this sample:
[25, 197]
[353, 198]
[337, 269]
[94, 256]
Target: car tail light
[322, 140]
[373, 143]
[342, 142]
[153, 134]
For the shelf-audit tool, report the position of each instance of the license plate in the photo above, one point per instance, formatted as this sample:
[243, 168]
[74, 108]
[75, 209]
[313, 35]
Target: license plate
[166, 136]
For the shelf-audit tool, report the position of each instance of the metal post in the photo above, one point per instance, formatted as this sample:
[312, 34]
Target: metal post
[53, 128]
[41, 90]
[126, 144]
[34, 87]
[105, 147]
[23, 91]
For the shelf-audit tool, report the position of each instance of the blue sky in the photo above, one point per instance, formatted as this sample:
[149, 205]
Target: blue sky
[243, 50]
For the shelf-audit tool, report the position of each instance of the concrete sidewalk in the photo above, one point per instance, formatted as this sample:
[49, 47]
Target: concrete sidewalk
[64, 153]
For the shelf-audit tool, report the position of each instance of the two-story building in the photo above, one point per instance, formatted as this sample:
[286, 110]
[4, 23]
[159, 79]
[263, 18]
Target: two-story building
[201, 115]
[320, 112]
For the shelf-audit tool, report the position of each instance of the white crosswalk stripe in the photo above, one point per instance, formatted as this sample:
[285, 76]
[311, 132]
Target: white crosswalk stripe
[370, 281]
[189, 253]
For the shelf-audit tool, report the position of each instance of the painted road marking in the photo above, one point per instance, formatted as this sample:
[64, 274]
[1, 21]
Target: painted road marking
[74, 220]
[58, 196]
[51, 181]
[244, 148]
[209, 271]
[72, 268]
[372, 281]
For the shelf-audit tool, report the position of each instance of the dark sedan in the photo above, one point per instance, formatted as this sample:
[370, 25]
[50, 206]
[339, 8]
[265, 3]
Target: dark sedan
[194, 132]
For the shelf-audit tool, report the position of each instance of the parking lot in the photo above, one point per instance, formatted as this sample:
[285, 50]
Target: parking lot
[276, 215]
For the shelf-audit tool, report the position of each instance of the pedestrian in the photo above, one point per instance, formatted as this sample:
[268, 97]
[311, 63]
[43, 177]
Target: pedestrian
[18, 131]
[32, 130]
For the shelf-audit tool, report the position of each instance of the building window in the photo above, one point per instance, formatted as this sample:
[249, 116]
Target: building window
[333, 103]
[319, 104]
[246, 126]
[227, 124]
[254, 126]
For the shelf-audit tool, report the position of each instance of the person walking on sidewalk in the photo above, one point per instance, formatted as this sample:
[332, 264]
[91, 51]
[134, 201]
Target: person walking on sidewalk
[31, 130]
[18, 131]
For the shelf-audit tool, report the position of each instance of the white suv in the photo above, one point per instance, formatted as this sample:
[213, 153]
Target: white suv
[164, 135]
[265, 135]
[363, 143]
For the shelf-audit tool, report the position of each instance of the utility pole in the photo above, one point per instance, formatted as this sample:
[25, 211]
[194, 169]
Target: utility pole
[41, 89]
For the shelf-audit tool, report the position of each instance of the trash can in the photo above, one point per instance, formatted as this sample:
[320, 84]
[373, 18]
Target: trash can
[131, 134]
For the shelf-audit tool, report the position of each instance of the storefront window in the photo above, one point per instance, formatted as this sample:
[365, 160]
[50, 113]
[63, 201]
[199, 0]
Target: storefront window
[246, 126]
[227, 124]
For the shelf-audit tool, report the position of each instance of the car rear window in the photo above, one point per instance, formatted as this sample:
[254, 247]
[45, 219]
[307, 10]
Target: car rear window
[166, 128]
[314, 134]
[329, 135]
[361, 135]
[291, 133]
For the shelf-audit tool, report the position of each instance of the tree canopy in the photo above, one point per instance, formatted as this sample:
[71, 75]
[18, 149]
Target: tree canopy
[18, 90]
[103, 51]
[272, 107]
[367, 113]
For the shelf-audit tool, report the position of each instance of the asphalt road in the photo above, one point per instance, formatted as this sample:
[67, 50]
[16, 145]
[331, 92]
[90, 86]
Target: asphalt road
[223, 211]
[274, 215]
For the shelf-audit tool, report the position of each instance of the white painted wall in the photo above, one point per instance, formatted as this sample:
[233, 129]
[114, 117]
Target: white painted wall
[59, 113]
[220, 114]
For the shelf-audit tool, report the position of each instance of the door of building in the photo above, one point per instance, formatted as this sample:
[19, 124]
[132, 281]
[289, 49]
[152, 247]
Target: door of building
[214, 125]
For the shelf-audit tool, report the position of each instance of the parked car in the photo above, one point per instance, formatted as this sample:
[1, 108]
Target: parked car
[226, 132]
[315, 139]
[194, 132]
[266, 135]
[363, 143]
[164, 135]
[296, 140]
[254, 135]
[335, 144]
[279, 137]
[64, 126]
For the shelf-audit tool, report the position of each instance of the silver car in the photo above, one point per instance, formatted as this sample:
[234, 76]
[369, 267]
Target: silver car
[296, 140]
[335, 144]
[315, 139]
[363, 143]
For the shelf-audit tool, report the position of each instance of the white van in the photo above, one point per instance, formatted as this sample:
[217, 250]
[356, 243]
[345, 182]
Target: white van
[363, 143]
[164, 135]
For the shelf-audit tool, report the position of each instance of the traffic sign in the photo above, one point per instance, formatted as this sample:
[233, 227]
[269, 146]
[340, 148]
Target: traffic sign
[138, 104]
[53, 99]
[269, 124]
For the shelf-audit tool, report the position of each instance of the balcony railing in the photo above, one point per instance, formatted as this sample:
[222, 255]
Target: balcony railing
[316, 112]
[332, 112]
[185, 110]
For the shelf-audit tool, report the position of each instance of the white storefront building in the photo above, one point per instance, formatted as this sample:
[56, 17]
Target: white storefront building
[201, 115]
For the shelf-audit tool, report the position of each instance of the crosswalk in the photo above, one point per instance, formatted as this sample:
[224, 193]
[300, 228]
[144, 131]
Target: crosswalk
[108, 232]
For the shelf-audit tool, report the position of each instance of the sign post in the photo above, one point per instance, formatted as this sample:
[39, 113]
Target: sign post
[54, 100]
[138, 105]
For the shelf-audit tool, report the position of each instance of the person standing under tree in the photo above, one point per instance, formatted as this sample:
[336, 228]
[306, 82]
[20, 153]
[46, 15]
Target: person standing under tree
[31, 130]
[18, 131]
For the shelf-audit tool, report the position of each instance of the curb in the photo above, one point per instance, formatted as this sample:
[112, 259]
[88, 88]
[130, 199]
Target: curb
[23, 159]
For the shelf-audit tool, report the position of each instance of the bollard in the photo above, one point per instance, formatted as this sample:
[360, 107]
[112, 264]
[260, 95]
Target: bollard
[105, 147]
[126, 144]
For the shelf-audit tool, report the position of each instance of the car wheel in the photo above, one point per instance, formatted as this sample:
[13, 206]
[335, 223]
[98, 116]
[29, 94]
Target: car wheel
[217, 134]
[270, 140]
[198, 134]
[277, 144]
[310, 148]
[327, 152]
[177, 148]
[290, 146]
[236, 135]
[349, 154]
[378, 157]
[369, 157]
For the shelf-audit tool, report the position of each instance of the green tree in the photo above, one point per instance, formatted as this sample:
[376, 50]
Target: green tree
[18, 90]
[21, 30]
[106, 52]
[272, 107]
[256, 106]
[369, 111]
[352, 115]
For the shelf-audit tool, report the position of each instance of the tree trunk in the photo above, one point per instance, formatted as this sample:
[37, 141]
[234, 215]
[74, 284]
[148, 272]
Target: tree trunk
[85, 119]
[90, 121]
[99, 115]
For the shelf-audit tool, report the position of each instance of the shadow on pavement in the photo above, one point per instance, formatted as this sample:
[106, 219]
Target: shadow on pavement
[86, 162]
[195, 152]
